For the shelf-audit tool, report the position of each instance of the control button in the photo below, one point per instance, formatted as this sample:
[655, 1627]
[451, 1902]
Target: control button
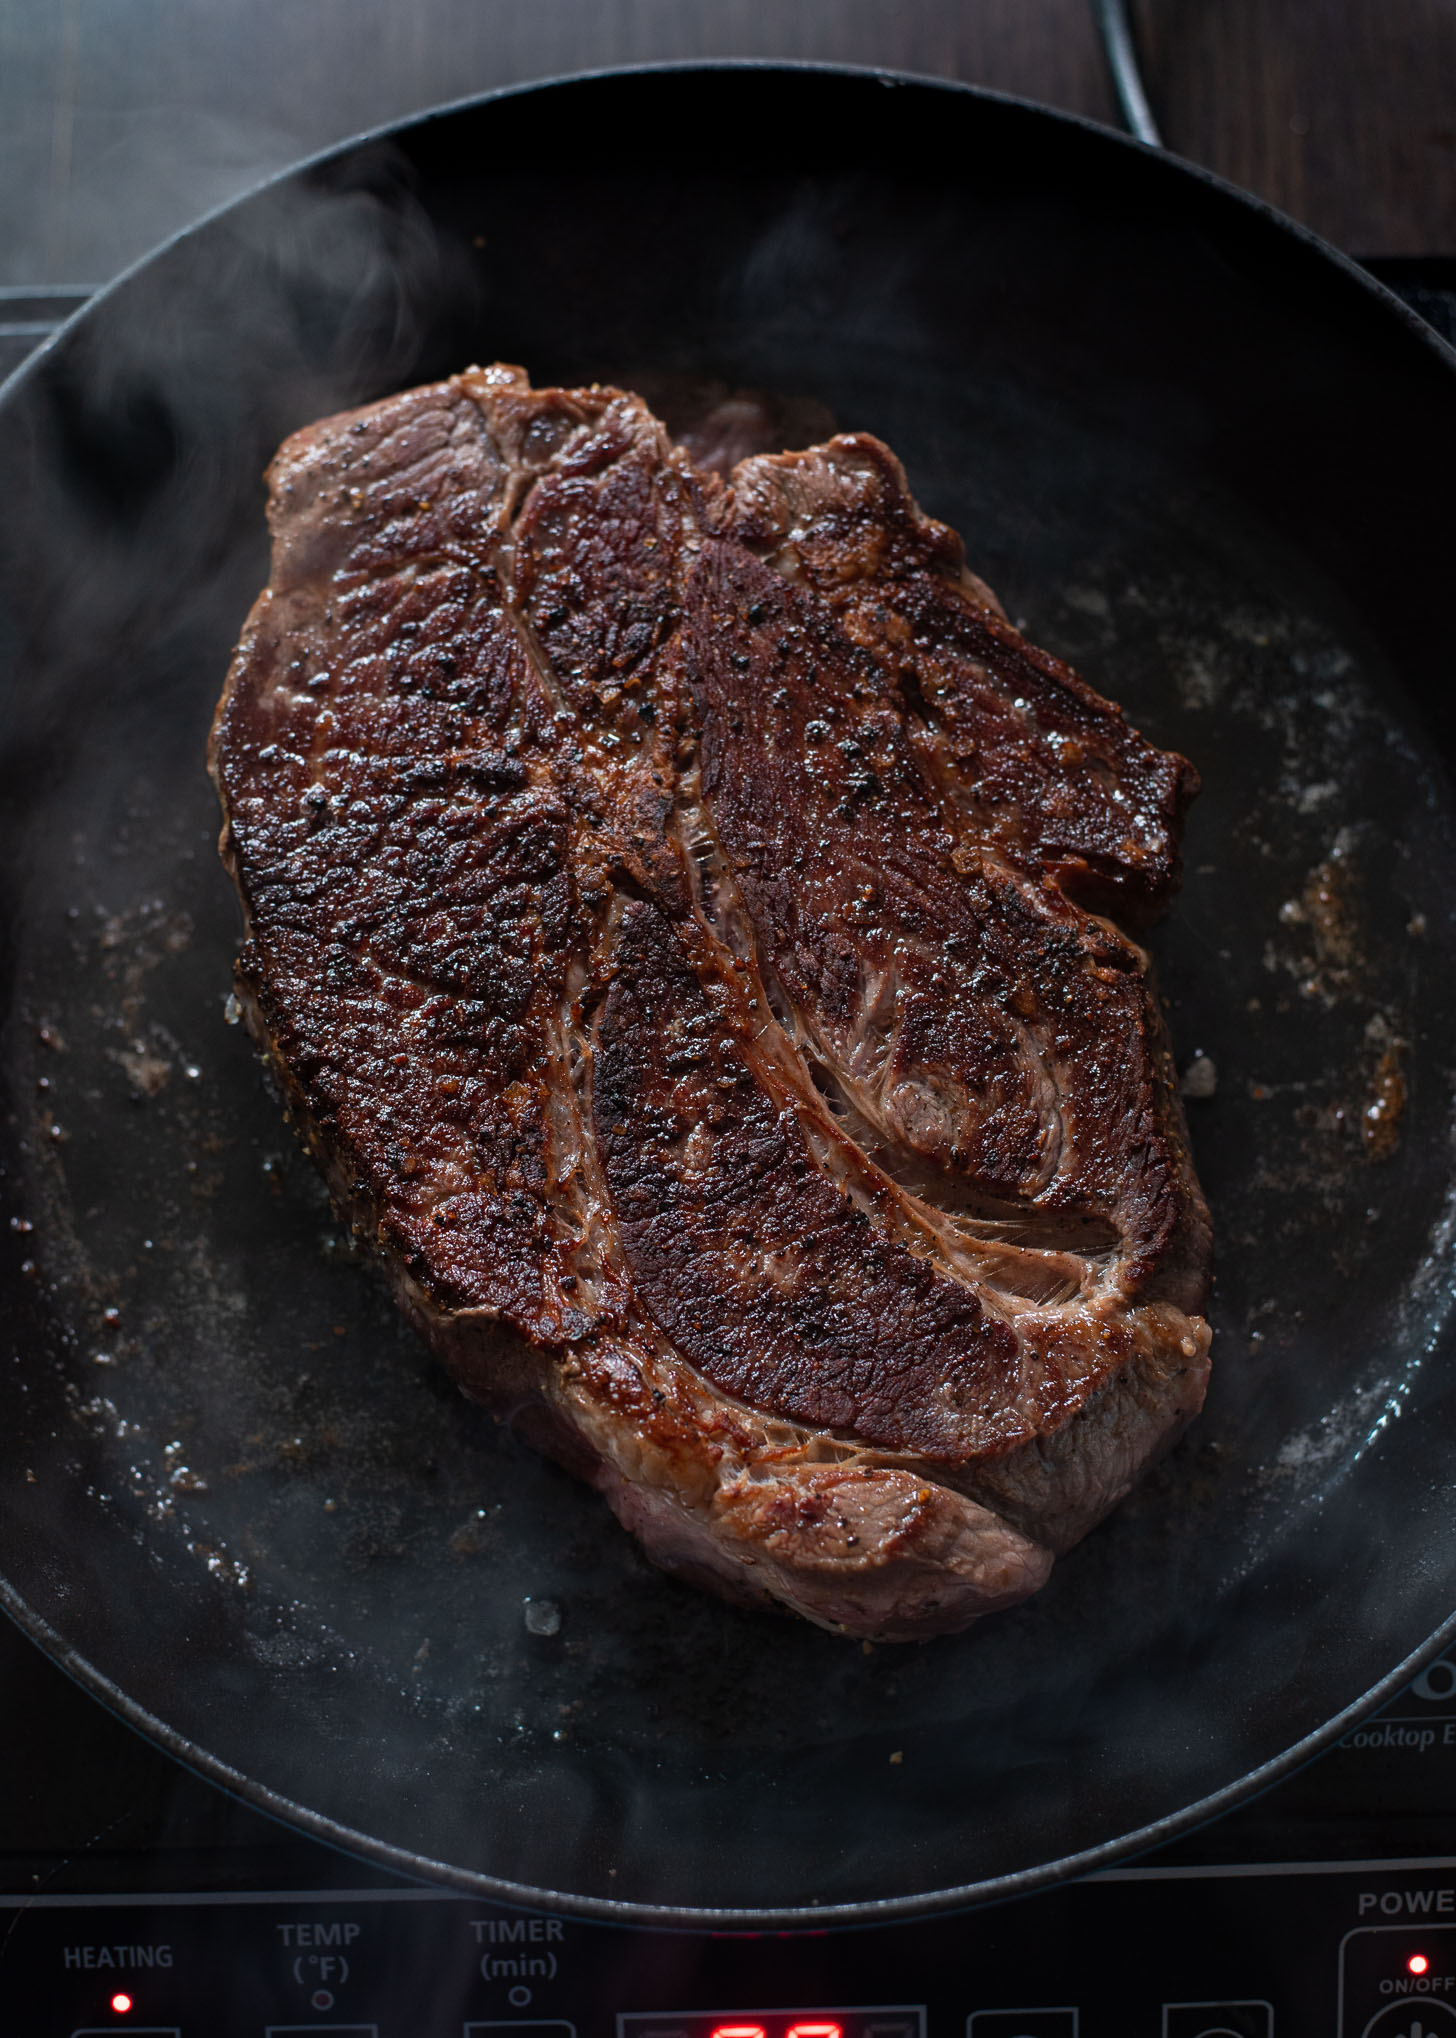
[1218, 2020]
[1022, 2024]
[1412, 2020]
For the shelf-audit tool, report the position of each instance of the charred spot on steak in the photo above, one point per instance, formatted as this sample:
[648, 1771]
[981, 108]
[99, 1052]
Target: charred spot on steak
[696, 935]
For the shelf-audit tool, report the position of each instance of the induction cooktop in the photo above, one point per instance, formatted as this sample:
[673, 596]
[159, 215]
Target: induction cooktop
[136, 1898]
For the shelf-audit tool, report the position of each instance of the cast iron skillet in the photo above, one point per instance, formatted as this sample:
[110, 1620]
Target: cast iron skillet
[1202, 457]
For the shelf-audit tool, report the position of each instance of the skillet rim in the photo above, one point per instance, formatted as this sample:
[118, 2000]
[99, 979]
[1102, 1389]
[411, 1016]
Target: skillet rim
[422, 1869]
[425, 1871]
[1199, 173]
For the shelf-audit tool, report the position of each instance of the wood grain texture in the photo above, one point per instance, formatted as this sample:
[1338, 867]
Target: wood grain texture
[1340, 112]
[120, 120]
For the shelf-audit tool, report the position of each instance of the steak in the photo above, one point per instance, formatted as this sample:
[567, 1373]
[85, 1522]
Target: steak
[694, 933]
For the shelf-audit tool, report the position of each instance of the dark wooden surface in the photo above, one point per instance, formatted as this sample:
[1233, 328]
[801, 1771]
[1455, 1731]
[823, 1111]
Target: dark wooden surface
[122, 119]
[1342, 112]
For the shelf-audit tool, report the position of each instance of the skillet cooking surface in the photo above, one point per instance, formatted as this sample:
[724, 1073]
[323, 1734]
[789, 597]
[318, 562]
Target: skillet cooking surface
[1197, 456]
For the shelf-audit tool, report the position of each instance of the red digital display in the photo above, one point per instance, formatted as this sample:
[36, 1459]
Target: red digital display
[804, 2029]
[869, 2021]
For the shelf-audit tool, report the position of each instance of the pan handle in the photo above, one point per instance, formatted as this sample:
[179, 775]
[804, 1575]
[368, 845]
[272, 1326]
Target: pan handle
[1127, 79]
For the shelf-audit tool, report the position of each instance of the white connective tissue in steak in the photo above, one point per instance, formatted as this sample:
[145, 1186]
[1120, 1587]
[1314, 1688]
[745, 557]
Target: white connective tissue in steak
[685, 919]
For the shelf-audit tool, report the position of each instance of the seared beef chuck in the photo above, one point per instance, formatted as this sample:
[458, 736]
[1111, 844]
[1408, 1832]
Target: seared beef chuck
[693, 932]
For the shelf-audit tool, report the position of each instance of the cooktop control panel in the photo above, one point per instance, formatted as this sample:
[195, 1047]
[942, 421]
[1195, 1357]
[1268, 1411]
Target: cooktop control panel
[1348, 1951]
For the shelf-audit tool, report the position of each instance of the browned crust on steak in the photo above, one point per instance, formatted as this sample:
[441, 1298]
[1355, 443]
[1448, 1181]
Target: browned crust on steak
[1041, 765]
[728, 1071]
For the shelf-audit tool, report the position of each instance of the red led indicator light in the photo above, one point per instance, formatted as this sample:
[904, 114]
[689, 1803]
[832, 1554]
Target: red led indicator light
[814, 2031]
[121, 2004]
[1418, 1963]
[739, 2031]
